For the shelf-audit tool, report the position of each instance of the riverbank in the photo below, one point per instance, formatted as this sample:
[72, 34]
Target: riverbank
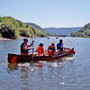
[4, 39]
[7, 39]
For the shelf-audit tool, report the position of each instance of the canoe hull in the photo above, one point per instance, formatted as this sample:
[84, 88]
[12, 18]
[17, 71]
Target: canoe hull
[14, 58]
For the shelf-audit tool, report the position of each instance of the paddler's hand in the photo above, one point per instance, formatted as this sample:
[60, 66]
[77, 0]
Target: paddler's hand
[32, 48]
[32, 41]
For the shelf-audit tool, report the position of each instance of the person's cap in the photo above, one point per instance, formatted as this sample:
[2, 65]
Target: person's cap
[25, 39]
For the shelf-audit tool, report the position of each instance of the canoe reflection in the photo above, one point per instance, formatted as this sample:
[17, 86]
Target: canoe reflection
[13, 66]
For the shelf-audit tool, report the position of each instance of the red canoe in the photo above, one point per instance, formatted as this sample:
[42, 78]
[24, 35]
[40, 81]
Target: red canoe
[14, 58]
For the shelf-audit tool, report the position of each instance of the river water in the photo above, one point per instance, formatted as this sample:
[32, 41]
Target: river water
[69, 73]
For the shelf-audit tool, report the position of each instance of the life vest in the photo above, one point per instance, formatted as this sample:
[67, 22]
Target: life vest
[23, 50]
[40, 50]
[51, 50]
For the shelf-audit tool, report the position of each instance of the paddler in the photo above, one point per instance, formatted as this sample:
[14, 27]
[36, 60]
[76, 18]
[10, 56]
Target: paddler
[51, 49]
[40, 50]
[60, 46]
[25, 48]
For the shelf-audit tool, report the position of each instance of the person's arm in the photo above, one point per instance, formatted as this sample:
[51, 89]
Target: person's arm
[25, 47]
[54, 49]
[66, 48]
[57, 46]
[43, 50]
[31, 44]
[36, 50]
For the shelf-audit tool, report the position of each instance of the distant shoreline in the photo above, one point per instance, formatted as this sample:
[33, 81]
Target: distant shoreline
[7, 39]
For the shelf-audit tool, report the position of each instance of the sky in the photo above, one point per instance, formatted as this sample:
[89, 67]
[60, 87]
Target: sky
[48, 13]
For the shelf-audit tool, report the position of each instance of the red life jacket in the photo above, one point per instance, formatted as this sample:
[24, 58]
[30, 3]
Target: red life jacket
[51, 50]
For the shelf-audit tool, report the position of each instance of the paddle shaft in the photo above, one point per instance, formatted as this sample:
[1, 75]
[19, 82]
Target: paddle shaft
[32, 49]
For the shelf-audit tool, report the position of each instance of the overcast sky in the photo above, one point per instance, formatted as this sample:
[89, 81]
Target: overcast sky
[48, 13]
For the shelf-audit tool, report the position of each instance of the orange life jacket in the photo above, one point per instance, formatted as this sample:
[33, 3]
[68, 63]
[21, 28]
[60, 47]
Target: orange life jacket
[40, 50]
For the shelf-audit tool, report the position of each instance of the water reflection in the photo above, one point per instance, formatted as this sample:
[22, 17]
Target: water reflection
[13, 66]
[63, 74]
[24, 77]
[37, 74]
[30, 73]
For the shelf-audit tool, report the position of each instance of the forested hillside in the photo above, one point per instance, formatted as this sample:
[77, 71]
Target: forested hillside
[37, 27]
[83, 32]
[12, 28]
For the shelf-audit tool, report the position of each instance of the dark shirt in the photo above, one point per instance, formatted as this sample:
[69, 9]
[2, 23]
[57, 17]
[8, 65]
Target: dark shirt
[23, 50]
[60, 46]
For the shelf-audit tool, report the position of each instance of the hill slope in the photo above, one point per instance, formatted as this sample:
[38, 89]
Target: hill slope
[62, 31]
[36, 26]
[83, 32]
[12, 28]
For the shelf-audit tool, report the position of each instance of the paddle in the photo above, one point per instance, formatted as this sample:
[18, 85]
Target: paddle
[33, 47]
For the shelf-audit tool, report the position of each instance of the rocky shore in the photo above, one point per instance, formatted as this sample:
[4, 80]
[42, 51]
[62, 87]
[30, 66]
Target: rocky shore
[4, 39]
[7, 39]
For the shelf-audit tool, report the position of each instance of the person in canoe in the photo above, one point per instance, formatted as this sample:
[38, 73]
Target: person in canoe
[60, 46]
[40, 50]
[25, 48]
[51, 49]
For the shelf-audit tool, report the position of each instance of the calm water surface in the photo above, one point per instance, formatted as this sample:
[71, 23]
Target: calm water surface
[69, 73]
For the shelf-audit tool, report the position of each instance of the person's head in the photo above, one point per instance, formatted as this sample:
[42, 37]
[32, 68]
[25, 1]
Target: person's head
[25, 40]
[53, 44]
[41, 44]
[60, 41]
